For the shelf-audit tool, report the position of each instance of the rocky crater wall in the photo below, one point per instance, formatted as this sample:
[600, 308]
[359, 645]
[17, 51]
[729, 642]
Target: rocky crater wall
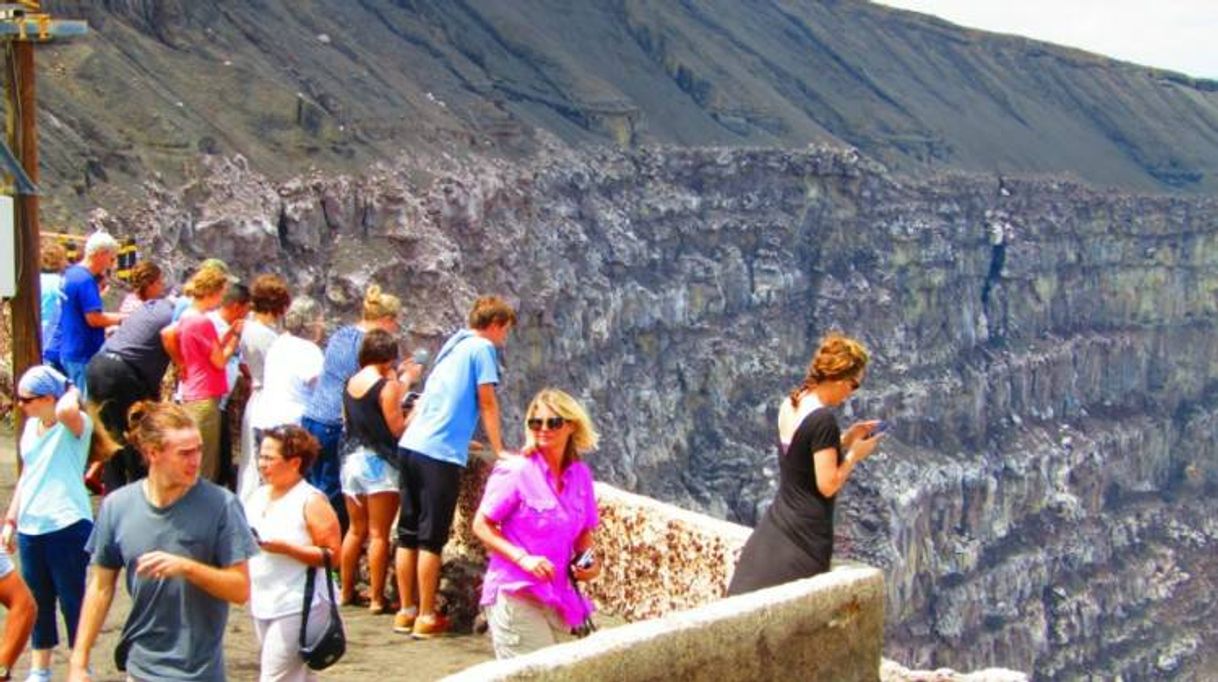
[1044, 503]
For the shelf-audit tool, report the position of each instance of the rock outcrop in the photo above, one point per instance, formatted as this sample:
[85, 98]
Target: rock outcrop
[1045, 500]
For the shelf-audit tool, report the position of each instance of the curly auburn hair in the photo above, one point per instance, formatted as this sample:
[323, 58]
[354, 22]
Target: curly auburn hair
[270, 294]
[149, 421]
[143, 276]
[839, 357]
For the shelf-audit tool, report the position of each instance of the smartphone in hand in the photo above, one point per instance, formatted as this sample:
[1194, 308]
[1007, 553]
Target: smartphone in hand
[879, 428]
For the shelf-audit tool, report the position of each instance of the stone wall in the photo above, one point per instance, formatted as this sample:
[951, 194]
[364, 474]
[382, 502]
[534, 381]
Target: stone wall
[657, 559]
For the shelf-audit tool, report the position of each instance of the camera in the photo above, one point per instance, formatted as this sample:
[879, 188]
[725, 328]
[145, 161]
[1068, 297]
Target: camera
[585, 560]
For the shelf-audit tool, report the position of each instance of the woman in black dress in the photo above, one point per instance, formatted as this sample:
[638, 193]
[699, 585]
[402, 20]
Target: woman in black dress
[795, 537]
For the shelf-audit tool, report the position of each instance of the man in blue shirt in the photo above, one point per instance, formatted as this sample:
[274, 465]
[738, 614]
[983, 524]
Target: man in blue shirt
[82, 319]
[435, 449]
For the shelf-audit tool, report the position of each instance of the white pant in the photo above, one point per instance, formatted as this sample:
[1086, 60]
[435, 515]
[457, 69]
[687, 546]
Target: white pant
[519, 626]
[280, 639]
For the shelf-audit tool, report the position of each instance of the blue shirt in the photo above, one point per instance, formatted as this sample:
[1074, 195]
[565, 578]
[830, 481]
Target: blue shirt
[50, 286]
[447, 412]
[340, 364]
[53, 494]
[77, 340]
[179, 306]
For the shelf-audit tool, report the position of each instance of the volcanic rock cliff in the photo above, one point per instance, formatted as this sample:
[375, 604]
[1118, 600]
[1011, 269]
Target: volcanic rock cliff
[664, 190]
[1045, 500]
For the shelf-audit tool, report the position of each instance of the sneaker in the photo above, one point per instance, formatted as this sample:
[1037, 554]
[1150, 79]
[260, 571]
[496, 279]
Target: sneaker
[403, 621]
[427, 628]
[39, 675]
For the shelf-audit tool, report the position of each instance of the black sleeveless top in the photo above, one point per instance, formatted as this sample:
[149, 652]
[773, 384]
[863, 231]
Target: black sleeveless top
[366, 425]
[795, 537]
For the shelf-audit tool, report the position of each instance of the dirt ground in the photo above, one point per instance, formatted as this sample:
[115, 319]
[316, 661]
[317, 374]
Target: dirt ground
[373, 650]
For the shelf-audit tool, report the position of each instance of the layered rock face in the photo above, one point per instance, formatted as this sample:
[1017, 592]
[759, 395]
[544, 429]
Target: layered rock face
[1044, 500]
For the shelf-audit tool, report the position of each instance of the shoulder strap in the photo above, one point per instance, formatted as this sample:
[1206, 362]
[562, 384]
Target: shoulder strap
[310, 581]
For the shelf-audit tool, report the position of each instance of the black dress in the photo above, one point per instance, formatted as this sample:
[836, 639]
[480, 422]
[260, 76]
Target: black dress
[795, 537]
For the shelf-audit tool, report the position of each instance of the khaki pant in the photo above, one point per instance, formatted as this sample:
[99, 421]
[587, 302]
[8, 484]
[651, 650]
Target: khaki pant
[520, 625]
[206, 414]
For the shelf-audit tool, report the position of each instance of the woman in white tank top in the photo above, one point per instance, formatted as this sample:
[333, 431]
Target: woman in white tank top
[293, 522]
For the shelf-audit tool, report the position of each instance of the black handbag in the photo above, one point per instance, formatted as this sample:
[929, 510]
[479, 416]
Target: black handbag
[332, 644]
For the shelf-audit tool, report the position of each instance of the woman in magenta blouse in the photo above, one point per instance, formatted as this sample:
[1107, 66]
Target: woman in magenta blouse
[537, 517]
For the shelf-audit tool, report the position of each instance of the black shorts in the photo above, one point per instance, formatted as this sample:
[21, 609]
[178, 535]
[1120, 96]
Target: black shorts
[429, 490]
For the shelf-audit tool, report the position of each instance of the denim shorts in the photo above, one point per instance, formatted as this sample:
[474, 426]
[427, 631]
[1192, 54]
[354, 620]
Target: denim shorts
[366, 473]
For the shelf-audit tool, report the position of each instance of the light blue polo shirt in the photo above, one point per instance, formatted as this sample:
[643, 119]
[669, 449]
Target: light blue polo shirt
[53, 494]
[447, 412]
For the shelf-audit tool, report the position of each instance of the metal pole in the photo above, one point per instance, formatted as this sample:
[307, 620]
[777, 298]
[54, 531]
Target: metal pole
[23, 140]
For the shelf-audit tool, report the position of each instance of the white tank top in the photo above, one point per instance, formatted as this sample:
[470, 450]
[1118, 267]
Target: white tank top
[277, 581]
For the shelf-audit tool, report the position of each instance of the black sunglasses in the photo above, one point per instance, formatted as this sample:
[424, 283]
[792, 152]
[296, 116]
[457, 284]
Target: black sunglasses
[855, 383]
[535, 423]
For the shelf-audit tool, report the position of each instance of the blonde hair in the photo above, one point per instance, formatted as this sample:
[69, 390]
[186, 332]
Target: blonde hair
[584, 437]
[488, 310]
[149, 422]
[378, 306]
[839, 357]
[205, 282]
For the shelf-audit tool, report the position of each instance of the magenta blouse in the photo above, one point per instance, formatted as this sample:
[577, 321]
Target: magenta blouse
[522, 499]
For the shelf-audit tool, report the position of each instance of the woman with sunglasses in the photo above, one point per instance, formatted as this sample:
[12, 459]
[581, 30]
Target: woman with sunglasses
[795, 537]
[50, 509]
[295, 527]
[537, 515]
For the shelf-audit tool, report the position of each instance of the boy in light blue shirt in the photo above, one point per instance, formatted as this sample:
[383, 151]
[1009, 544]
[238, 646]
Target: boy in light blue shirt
[435, 449]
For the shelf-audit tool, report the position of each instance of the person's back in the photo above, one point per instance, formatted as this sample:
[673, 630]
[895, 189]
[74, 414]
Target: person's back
[447, 413]
[138, 342]
[366, 425]
[434, 450]
[341, 360]
[290, 377]
[50, 286]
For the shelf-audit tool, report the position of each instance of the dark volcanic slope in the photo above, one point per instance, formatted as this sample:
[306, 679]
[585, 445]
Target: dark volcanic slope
[291, 83]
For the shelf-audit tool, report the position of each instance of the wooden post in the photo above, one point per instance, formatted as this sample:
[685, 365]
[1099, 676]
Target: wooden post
[23, 140]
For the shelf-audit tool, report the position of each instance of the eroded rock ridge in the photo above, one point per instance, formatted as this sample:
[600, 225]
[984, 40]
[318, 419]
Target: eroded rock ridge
[1045, 501]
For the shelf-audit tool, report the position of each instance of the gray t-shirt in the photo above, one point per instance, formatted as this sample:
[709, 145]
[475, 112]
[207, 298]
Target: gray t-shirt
[175, 629]
[138, 341]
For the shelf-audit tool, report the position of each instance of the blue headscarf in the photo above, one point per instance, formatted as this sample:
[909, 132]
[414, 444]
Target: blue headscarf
[42, 380]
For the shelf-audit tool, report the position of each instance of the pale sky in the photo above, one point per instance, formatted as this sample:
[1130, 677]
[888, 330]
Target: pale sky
[1180, 35]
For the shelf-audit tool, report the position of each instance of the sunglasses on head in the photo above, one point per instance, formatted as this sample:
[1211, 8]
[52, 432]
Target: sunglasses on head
[535, 423]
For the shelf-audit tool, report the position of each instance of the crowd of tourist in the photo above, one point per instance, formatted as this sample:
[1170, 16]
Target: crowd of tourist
[212, 498]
